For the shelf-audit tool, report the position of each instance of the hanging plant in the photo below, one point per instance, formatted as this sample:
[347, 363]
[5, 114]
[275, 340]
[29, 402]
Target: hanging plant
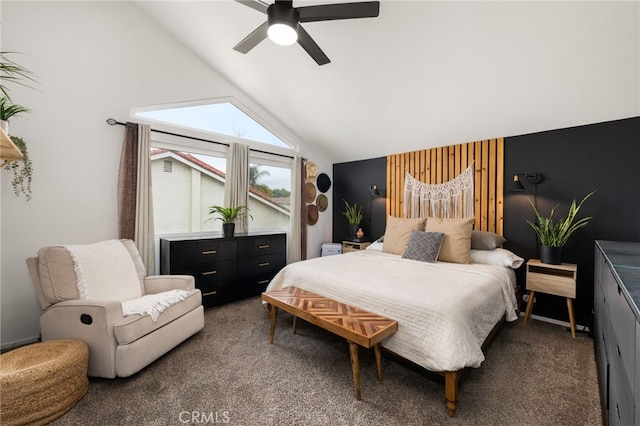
[12, 72]
[22, 171]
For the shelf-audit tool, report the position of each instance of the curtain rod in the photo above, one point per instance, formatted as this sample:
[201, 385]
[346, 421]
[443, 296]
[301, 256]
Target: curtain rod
[113, 122]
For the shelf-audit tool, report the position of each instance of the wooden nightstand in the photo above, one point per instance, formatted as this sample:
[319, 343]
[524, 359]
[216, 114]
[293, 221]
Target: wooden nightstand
[348, 246]
[559, 280]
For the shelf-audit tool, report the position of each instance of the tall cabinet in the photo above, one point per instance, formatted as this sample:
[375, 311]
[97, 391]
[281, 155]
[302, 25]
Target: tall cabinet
[225, 269]
[617, 330]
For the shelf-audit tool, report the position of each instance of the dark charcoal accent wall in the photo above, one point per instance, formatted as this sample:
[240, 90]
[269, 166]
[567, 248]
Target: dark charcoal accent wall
[575, 161]
[351, 182]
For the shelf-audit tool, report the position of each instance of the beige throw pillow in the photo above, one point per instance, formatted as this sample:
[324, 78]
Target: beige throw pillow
[396, 235]
[456, 246]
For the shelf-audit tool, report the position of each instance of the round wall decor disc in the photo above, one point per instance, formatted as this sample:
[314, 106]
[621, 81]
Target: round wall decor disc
[312, 214]
[309, 192]
[323, 182]
[322, 202]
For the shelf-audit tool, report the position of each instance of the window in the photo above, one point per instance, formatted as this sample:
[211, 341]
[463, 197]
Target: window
[189, 175]
[215, 117]
[269, 195]
[184, 186]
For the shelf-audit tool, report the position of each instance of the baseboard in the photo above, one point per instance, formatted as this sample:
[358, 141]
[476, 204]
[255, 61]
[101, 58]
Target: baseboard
[17, 343]
[579, 327]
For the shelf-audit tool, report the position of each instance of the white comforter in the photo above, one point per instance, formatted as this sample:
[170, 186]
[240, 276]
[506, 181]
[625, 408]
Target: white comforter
[444, 311]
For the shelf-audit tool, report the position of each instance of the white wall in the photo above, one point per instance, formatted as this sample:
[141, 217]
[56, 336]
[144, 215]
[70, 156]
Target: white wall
[94, 60]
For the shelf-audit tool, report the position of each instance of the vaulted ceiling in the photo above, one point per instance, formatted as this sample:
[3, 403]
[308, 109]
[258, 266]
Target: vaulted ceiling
[425, 73]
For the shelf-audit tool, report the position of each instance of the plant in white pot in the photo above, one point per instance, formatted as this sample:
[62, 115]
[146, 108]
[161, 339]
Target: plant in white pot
[228, 216]
[554, 235]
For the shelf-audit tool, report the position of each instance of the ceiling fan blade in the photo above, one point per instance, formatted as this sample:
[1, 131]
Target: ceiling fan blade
[330, 12]
[255, 4]
[307, 43]
[252, 40]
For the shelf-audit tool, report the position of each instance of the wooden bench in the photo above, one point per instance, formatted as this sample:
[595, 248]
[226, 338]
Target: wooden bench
[357, 326]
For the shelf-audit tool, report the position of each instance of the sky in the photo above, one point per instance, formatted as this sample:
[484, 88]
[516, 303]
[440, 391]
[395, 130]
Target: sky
[225, 118]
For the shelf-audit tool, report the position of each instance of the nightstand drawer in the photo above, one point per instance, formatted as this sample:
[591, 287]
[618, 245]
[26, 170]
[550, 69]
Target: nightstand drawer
[551, 284]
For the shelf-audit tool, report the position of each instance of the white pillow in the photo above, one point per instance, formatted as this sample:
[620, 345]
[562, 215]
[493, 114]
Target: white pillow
[497, 256]
[375, 246]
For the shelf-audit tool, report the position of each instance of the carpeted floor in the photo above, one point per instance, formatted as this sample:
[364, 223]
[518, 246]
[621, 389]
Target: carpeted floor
[229, 374]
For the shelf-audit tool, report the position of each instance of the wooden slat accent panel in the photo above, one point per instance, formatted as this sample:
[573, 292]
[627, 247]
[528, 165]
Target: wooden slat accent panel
[437, 165]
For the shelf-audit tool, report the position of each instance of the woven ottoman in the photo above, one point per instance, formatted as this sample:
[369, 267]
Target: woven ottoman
[42, 381]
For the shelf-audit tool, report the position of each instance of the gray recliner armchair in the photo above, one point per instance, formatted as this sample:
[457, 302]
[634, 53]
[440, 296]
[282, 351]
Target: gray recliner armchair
[100, 294]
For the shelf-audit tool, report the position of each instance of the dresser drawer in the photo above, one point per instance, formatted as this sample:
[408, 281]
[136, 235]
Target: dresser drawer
[258, 246]
[621, 406]
[198, 254]
[261, 265]
[623, 325]
[216, 292]
[637, 373]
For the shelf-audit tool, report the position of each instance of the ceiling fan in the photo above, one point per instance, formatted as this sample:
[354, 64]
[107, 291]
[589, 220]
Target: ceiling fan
[283, 23]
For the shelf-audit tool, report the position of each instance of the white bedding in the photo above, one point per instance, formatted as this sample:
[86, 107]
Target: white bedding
[444, 311]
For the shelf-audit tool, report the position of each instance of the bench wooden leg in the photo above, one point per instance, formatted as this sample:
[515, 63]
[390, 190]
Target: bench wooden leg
[355, 367]
[273, 313]
[295, 323]
[377, 351]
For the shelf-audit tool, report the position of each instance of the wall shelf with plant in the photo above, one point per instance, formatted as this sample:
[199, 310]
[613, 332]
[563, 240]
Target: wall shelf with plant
[13, 150]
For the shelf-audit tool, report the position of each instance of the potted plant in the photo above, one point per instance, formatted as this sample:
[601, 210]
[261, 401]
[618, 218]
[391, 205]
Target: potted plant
[553, 236]
[228, 215]
[354, 217]
[22, 172]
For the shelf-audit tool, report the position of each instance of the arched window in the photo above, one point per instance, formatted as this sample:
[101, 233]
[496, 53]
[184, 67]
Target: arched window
[189, 175]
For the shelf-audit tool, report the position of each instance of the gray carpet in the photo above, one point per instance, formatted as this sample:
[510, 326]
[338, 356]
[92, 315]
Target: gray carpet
[228, 373]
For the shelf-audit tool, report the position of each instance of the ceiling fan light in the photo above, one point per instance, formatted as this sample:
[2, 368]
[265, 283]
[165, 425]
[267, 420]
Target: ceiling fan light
[283, 23]
[282, 34]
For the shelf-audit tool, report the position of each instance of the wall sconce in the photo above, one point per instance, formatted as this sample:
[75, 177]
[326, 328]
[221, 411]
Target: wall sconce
[374, 190]
[533, 178]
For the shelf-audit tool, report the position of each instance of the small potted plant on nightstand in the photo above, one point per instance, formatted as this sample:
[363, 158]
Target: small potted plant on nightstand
[354, 217]
[553, 236]
[228, 215]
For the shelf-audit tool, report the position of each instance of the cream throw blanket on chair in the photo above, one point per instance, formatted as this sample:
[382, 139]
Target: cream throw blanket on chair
[105, 271]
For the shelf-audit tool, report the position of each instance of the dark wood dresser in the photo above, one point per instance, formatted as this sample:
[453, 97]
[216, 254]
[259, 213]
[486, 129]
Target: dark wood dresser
[225, 269]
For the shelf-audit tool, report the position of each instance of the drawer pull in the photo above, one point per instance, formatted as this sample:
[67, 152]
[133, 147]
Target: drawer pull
[263, 246]
[209, 252]
[211, 293]
[210, 273]
[263, 264]
[263, 282]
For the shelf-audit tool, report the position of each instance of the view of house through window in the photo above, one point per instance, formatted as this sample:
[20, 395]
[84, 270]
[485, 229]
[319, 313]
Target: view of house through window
[186, 184]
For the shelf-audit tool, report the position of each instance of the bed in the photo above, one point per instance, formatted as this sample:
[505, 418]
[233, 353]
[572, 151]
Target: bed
[446, 311]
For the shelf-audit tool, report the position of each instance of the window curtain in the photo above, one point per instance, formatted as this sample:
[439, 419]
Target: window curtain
[236, 188]
[296, 228]
[135, 211]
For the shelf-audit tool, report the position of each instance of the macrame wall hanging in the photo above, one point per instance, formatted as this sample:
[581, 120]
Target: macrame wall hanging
[451, 199]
